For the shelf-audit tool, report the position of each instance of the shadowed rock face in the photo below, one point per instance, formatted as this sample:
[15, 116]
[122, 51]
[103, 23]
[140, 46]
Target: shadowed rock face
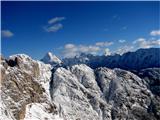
[152, 78]
[126, 92]
[33, 90]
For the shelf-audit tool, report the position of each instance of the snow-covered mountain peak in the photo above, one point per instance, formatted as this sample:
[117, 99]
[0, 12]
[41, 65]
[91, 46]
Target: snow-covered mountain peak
[50, 58]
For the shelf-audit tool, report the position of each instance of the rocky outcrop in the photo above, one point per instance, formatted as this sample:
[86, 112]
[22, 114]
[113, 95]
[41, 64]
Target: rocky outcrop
[22, 84]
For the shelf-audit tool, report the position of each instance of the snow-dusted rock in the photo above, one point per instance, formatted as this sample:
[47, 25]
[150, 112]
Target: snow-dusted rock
[32, 90]
[5, 113]
[86, 77]
[40, 111]
[67, 94]
[152, 78]
[127, 93]
[49, 58]
[23, 83]
[25, 63]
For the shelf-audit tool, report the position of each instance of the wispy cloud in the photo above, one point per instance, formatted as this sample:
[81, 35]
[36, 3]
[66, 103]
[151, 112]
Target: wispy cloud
[56, 19]
[54, 28]
[71, 50]
[6, 33]
[121, 41]
[143, 43]
[104, 44]
[155, 33]
[54, 25]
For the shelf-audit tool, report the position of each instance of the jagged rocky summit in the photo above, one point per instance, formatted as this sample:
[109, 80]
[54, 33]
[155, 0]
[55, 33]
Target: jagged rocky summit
[33, 90]
[50, 58]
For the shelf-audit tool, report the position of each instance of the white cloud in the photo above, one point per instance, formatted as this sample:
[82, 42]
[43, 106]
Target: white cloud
[56, 19]
[54, 28]
[124, 49]
[107, 52]
[143, 43]
[71, 50]
[6, 33]
[121, 41]
[69, 46]
[88, 49]
[54, 25]
[103, 44]
[155, 33]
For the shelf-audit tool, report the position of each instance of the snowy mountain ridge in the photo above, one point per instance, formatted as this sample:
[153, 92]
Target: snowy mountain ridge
[140, 59]
[33, 90]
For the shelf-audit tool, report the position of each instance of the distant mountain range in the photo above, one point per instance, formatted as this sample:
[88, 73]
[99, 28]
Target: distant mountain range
[140, 59]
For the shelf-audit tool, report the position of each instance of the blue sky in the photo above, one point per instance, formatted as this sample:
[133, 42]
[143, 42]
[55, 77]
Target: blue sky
[68, 28]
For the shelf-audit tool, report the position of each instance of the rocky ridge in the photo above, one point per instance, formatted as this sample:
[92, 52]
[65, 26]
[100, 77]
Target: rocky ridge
[32, 90]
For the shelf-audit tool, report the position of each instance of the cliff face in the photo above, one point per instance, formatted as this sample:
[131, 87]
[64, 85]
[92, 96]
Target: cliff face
[32, 90]
[24, 82]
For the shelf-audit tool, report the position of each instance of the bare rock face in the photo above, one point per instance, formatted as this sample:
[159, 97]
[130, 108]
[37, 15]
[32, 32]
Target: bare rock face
[128, 94]
[86, 77]
[119, 94]
[67, 95]
[21, 84]
[152, 78]
[25, 63]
